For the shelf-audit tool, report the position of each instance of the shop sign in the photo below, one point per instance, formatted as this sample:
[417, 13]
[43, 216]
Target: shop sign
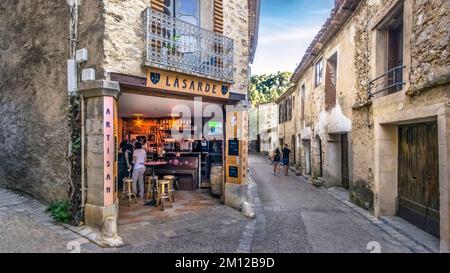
[108, 150]
[191, 85]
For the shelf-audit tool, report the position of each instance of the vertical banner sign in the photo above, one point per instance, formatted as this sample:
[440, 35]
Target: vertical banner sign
[116, 149]
[108, 150]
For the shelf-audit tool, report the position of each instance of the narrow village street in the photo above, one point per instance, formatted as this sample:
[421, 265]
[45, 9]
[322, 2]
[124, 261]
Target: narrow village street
[296, 217]
[293, 216]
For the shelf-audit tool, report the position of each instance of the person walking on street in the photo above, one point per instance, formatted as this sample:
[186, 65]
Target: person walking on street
[276, 161]
[286, 153]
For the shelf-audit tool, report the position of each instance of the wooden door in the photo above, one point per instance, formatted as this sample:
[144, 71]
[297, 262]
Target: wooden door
[344, 162]
[418, 176]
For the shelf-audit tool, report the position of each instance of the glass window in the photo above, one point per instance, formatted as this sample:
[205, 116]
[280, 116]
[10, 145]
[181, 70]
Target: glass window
[169, 7]
[188, 11]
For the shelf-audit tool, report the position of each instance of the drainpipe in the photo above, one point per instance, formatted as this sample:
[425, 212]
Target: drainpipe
[83, 179]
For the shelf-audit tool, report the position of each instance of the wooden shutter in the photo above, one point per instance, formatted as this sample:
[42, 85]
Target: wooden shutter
[330, 88]
[157, 5]
[218, 16]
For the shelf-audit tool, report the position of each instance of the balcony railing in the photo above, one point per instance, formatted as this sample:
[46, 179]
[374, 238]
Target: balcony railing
[388, 83]
[175, 45]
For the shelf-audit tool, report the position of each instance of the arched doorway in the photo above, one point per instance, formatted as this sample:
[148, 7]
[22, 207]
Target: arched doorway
[258, 143]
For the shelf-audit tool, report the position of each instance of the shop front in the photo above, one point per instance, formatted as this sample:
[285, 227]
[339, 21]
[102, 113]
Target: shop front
[193, 133]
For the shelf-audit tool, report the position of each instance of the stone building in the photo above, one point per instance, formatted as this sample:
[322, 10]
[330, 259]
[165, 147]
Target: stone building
[374, 111]
[288, 123]
[263, 127]
[56, 144]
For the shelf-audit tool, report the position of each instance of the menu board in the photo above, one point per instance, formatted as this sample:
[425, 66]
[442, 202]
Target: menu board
[233, 172]
[233, 147]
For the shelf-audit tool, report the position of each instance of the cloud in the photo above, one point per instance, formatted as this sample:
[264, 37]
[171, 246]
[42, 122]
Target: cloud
[289, 34]
[319, 11]
[286, 31]
[282, 49]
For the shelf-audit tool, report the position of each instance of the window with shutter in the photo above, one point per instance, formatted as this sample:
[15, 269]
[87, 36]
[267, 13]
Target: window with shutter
[158, 5]
[280, 113]
[318, 73]
[218, 16]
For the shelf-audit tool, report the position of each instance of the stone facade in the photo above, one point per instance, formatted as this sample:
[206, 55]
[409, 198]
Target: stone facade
[288, 131]
[236, 27]
[371, 123]
[124, 43]
[36, 136]
[263, 127]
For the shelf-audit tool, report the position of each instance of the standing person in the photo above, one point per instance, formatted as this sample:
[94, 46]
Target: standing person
[139, 157]
[286, 153]
[133, 143]
[125, 161]
[276, 161]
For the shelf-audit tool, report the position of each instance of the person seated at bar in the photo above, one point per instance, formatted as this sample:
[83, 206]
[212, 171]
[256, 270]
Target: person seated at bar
[139, 158]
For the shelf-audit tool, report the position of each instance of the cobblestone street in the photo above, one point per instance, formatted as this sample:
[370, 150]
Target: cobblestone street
[26, 227]
[293, 216]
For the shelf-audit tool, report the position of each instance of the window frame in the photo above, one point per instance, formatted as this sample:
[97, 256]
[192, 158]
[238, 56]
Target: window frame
[172, 10]
[318, 75]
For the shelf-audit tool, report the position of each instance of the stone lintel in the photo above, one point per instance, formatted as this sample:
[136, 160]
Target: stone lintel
[100, 88]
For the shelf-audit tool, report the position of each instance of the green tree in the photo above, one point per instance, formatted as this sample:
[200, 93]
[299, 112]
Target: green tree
[269, 87]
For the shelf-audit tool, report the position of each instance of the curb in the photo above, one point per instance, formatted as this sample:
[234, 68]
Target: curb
[402, 238]
[246, 240]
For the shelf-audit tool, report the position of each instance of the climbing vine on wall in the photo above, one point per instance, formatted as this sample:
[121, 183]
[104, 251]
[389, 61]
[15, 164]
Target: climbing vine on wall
[74, 118]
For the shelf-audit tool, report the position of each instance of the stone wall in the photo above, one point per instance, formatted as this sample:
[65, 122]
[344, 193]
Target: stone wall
[236, 27]
[430, 41]
[124, 37]
[34, 134]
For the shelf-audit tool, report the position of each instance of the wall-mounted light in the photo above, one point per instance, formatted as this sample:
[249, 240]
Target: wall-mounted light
[139, 121]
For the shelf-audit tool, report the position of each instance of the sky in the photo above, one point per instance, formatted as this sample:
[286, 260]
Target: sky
[287, 27]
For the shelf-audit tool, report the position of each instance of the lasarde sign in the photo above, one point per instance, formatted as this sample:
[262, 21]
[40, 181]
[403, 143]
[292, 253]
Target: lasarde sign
[189, 85]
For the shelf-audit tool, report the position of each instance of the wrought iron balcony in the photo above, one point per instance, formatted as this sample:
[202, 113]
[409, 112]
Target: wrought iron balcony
[175, 45]
[388, 83]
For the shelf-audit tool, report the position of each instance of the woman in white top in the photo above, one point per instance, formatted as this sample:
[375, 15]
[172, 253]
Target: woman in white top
[139, 157]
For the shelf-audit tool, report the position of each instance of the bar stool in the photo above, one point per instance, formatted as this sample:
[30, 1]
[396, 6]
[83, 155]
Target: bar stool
[171, 178]
[128, 190]
[163, 194]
